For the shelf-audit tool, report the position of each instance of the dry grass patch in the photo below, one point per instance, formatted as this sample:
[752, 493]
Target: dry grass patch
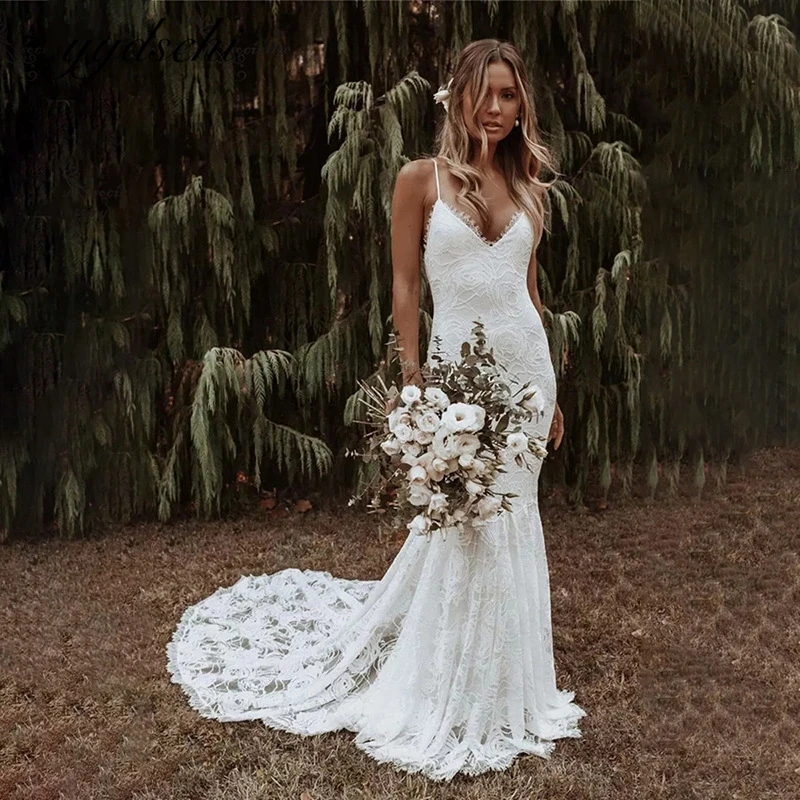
[675, 622]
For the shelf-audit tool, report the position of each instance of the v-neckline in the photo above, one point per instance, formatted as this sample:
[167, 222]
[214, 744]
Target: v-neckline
[470, 223]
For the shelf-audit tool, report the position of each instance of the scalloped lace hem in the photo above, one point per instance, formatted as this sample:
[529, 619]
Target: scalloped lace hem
[460, 758]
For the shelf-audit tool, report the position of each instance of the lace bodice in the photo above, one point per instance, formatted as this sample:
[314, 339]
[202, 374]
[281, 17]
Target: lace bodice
[474, 278]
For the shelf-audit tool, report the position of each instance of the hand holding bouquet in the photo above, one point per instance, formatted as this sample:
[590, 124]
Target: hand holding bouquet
[442, 446]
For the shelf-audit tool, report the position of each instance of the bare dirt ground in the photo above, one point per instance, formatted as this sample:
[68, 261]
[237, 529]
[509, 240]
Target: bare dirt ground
[676, 623]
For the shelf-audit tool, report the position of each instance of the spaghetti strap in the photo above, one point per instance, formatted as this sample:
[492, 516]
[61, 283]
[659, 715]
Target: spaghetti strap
[436, 170]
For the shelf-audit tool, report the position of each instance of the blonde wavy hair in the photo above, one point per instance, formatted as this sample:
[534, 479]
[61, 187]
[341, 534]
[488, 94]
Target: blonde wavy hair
[521, 155]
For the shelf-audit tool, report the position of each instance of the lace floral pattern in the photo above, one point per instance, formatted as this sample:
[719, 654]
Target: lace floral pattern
[445, 665]
[470, 223]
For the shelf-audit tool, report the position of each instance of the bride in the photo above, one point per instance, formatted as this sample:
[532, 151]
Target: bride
[445, 665]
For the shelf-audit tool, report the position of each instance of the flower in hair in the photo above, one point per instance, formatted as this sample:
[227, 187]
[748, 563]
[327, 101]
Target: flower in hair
[443, 95]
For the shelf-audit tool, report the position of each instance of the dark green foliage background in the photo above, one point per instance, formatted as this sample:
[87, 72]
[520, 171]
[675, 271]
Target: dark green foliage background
[194, 254]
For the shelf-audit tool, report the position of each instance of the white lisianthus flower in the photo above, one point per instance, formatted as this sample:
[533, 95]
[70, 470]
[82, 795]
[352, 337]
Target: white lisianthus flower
[422, 437]
[474, 488]
[419, 524]
[517, 442]
[419, 494]
[534, 402]
[444, 444]
[411, 394]
[391, 446]
[438, 502]
[445, 427]
[417, 474]
[403, 431]
[428, 422]
[460, 418]
[480, 416]
[467, 443]
[437, 398]
[489, 506]
[465, 460]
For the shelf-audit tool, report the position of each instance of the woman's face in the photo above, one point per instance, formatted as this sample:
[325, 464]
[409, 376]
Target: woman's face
[500, 106]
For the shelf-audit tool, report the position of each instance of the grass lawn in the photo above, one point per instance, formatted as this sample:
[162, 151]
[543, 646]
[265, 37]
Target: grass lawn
[677, 623]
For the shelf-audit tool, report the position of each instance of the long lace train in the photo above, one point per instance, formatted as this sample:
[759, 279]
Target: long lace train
[444, 665]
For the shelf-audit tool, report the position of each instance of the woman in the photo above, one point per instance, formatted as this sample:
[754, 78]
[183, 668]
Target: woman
[445, 665]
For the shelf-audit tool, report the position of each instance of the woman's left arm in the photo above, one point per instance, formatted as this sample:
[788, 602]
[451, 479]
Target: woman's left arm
[557, 425]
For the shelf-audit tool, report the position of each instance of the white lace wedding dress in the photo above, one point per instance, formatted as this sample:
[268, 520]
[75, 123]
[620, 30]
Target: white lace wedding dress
[445, 665]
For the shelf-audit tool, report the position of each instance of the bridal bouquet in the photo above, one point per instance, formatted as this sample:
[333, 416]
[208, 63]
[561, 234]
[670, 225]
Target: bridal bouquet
[440, 450]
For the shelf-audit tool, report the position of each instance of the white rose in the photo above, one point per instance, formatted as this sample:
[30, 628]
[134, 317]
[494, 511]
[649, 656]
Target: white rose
[437, 397]
[417, 474]
[428, 422]
[434, 466]
[403, 432]
[419, 494]
[412, 448]
[488, 506]
[460, 417]
[473, 487]
[517, 442]
[410, 459]
[411, 394]
[396, 416]
[465, 460]
[391, 446]
[467, 443]
[423, 437]
[419, 524]
[438, 502]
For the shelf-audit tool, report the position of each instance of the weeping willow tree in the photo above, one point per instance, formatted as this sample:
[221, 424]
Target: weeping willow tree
[196, 260]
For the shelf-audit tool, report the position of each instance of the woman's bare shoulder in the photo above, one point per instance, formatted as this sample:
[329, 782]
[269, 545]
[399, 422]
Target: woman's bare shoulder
[416, 177]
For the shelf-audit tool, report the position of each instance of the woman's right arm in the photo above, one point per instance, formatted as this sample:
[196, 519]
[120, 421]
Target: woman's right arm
[407, 221]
